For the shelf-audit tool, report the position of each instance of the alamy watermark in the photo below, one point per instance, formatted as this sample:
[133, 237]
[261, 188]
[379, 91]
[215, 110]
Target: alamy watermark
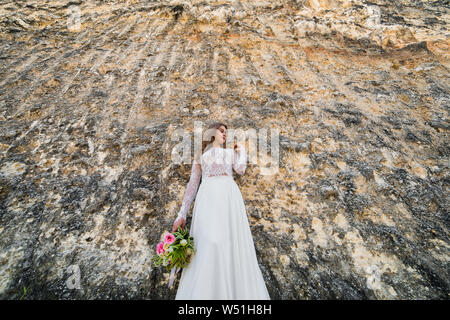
[74, 18]
[73, 280]
[258, 152]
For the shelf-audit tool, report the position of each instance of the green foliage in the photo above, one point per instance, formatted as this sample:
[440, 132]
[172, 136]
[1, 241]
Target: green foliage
[24, 293]
[181, 255]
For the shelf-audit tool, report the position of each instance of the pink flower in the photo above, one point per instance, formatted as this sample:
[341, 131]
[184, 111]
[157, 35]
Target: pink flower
[169, 238]
[160, 248]
[163, 235]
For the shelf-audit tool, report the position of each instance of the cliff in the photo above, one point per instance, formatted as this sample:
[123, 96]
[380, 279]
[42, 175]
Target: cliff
[91, 93]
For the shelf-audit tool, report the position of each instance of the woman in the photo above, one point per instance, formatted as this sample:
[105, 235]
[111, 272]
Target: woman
[224, 266]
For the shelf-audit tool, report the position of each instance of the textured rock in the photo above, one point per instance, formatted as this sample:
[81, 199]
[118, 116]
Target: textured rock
[358, 89]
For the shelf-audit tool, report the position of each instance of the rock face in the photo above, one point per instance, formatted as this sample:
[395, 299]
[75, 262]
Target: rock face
[91, 93]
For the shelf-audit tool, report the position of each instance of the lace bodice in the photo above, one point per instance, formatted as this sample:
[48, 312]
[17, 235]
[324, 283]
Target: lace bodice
[215, 161]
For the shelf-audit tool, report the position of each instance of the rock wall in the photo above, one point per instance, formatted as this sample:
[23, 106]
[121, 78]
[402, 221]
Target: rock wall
[91, 93]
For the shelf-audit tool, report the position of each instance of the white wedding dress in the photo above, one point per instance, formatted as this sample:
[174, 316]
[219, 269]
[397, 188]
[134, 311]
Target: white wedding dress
[224, 266]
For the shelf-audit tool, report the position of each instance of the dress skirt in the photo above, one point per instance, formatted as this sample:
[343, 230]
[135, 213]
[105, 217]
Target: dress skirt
[224, 266]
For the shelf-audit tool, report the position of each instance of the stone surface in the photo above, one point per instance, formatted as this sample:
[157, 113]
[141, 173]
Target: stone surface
[358, 89]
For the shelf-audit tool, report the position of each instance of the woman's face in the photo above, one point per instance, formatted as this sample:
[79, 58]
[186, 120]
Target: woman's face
[221, 135]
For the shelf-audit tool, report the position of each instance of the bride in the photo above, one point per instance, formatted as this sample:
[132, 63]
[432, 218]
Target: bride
[224, 266]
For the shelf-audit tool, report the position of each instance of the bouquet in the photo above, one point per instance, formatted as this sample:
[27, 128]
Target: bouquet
[174, 251]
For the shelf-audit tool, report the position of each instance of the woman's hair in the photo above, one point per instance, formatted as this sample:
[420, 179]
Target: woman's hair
[209, 134]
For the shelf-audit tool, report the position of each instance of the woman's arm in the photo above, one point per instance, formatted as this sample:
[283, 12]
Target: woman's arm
[239, 159]
[191, 190]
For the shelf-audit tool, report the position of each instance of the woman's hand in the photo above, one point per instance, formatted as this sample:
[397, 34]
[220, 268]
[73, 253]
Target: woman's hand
[236, 147]
[178, 223]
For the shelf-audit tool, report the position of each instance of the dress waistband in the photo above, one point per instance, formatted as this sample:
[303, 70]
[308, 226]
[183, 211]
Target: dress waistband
[219, 177]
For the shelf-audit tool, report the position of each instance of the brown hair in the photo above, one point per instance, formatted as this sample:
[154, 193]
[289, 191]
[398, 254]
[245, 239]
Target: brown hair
[210, 135]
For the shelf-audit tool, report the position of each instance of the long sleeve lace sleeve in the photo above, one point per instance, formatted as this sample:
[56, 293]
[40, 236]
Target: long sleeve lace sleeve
[240, 160]
[191, 189]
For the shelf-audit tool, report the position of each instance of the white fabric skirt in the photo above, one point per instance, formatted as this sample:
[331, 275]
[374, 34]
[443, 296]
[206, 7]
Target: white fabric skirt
[224, 266]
